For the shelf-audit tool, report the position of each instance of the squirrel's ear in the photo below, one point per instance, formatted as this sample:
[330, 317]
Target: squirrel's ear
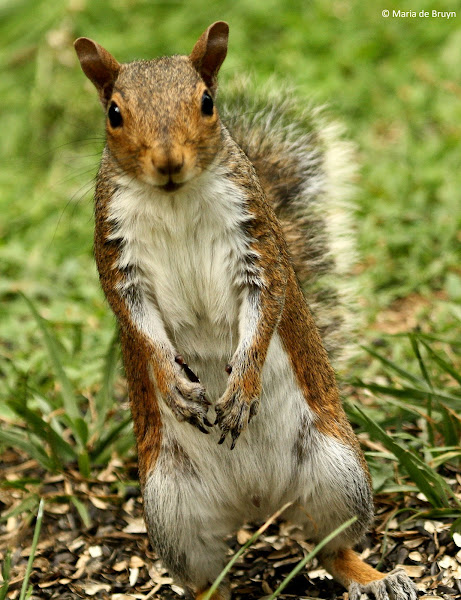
[98, 65]
[210, 51]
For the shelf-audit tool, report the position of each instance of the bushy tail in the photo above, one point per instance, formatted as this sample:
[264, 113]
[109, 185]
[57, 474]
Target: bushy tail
[305, 169]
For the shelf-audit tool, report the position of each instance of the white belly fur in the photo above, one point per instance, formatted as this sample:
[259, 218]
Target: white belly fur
[187, 249]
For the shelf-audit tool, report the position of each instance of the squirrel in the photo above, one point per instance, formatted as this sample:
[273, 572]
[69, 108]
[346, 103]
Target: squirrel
[212, 242]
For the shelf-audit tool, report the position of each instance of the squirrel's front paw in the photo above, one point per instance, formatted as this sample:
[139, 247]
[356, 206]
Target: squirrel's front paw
[396, 585]
[235, 409]
[189, 403]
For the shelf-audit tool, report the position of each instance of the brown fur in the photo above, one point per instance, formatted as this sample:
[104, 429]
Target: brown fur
[167, 148]
[347, 567]
[136, 349]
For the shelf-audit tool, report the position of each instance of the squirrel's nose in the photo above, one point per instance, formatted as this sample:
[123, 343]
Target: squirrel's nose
[169, 166]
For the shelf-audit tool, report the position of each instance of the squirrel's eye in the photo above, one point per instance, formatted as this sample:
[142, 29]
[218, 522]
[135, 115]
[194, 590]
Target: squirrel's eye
[114, 115]
[207, 104]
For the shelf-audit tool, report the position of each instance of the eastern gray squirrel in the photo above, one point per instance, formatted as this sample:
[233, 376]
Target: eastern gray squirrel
[204, 236]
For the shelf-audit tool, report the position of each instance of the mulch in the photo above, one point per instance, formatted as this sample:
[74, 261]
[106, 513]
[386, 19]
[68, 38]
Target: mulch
[109, 558]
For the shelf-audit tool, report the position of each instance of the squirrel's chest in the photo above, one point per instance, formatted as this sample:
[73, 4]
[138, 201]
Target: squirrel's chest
[188, 258]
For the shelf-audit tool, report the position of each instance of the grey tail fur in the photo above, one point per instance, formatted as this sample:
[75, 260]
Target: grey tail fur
[306, 170]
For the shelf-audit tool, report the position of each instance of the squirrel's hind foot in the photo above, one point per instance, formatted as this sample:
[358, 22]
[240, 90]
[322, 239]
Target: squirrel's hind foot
[396, 585]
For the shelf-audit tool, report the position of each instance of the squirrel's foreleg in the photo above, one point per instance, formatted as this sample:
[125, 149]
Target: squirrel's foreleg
[259, 314]
[144, 331]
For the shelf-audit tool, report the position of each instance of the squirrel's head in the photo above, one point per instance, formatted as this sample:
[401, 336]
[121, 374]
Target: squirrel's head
[161, 121]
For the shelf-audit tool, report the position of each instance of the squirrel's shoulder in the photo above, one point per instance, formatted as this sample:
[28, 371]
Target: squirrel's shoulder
[306, 167]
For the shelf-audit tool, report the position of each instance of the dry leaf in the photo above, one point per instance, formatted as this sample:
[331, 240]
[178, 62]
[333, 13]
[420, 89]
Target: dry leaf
[266, 588]
[46, 584]
[270, 539]
[91, 589]
[434, 526]
[319, 573]
[135, 525]
[12, 524]
[178, 590]
[129, 506]
[243, 535]
[57, 509]
[76, 544]
[134, 574]
[415, 543]
[95, 551]
[288, 561]
[279, 553]
[412, 570]
[136, 562]
[416, 556]
[447, 563]
[82, 560]
[99, 503]
[120, 566]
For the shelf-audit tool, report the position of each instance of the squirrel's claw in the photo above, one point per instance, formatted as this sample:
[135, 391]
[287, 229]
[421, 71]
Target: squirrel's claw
[235, 437]
[199, 423]
[233, 413]
[188, 402]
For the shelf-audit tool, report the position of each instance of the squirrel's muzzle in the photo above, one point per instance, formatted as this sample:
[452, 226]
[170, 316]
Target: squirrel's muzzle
[168, 169]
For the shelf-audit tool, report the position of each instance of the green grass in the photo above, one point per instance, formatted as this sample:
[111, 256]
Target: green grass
[93, 430]
[393, 82]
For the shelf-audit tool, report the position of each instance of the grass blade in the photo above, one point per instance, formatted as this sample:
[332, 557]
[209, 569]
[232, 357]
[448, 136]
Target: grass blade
[453, 456]
[391, 365]
[67, 392]
[84, 465]
[414, 344]
[104, 397]
[432, 485]
[27, 505]
[82, 511]
[6, 568]
[38, 526]
[105, 441]
[451, 425]
[70, 400]
[238, 554]
[13, 439]
[439, 513]
[417, 353]
[442, 363]
[408, 392]
[310, 556]
[61, 450]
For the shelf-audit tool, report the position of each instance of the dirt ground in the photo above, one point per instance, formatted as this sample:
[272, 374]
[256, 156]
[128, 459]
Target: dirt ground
[109, 558]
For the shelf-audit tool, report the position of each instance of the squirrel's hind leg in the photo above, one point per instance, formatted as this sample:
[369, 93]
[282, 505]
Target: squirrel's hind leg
[184, 530]
[364, 582]
[336, 488]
